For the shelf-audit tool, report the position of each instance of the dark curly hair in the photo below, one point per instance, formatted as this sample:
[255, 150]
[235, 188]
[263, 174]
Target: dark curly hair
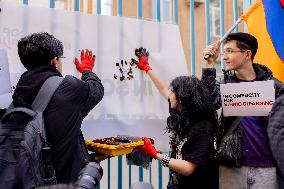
[39, 49]
[196, 105]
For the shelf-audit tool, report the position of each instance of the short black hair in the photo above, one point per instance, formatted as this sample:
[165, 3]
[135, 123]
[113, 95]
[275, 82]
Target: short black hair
[38, 49]
[244, 41]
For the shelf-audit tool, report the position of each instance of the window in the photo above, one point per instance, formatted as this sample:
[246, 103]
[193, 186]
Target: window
[106, 7]
[215, 18]
[59, 4]
[166, 11]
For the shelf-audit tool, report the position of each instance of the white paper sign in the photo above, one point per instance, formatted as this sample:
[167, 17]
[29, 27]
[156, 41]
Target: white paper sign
[132, 106]
[247, 98]
[5, 83]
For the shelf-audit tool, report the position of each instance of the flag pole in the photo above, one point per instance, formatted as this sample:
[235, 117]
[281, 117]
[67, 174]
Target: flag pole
[244, 16]
[226, 34]
[230, 30]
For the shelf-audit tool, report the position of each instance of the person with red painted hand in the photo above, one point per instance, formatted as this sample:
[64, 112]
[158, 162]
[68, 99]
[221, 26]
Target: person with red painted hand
[41, 54]
[191, 125]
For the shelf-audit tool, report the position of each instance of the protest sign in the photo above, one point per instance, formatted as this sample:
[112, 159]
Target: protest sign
[247, 98]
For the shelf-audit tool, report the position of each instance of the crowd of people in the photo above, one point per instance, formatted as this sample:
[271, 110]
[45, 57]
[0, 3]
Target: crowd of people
[198, 135]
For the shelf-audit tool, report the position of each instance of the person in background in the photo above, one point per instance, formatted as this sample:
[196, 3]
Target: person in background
[191, 125]
[275, 130]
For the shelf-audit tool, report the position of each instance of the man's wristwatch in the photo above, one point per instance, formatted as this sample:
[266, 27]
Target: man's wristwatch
[165, 160]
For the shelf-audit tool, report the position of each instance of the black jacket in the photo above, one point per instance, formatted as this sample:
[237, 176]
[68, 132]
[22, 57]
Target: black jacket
[275, 131]
[63, 116]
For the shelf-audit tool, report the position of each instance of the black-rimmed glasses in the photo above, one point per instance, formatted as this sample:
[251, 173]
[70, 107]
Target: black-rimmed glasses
[230, 51]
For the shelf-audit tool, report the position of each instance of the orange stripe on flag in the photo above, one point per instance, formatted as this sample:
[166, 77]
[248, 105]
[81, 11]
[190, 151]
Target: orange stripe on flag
[251, 9]
[266, 54]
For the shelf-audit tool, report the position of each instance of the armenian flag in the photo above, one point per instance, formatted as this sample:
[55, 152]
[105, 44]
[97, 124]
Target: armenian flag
[264, 19]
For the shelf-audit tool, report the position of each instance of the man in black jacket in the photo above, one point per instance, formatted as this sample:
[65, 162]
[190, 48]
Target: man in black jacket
[258, 165]
[41, 54]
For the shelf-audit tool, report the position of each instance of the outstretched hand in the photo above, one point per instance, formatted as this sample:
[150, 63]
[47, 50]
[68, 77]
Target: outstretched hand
[142, 63]
[87, 61]
[148, 148]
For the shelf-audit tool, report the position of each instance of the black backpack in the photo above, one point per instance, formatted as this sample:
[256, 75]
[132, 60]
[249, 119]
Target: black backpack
[25, 154]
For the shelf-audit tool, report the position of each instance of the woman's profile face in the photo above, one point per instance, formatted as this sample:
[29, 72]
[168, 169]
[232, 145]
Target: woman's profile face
[174, 102]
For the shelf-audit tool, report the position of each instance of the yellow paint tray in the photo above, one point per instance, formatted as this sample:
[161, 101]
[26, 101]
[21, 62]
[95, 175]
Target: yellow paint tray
[113, 146]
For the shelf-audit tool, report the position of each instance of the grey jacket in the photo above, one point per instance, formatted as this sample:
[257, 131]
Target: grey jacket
[275, 131]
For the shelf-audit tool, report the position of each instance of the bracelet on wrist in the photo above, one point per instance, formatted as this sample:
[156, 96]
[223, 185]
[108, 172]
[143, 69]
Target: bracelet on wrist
[165, 160]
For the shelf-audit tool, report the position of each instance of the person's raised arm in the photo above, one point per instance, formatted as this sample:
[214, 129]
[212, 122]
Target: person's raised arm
[91, 89]
[161, 86]
[143, 64]
[208, 77]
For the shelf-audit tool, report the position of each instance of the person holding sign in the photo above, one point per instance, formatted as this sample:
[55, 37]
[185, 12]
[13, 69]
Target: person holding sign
[248, 163]
[191, 125]
[41, 54]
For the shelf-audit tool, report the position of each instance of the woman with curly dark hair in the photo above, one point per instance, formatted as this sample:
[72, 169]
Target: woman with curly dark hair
[191, 125]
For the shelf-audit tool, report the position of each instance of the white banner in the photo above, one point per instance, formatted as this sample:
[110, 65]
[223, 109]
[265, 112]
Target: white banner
[4, 73]
[247, 98]
[131, 105]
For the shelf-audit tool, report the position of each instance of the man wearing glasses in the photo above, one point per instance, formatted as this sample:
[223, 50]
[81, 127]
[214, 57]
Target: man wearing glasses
[258, 168]
[41, 54]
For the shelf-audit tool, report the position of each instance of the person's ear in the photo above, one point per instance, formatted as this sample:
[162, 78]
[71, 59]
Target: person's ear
[54, 62]
[248, 54]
